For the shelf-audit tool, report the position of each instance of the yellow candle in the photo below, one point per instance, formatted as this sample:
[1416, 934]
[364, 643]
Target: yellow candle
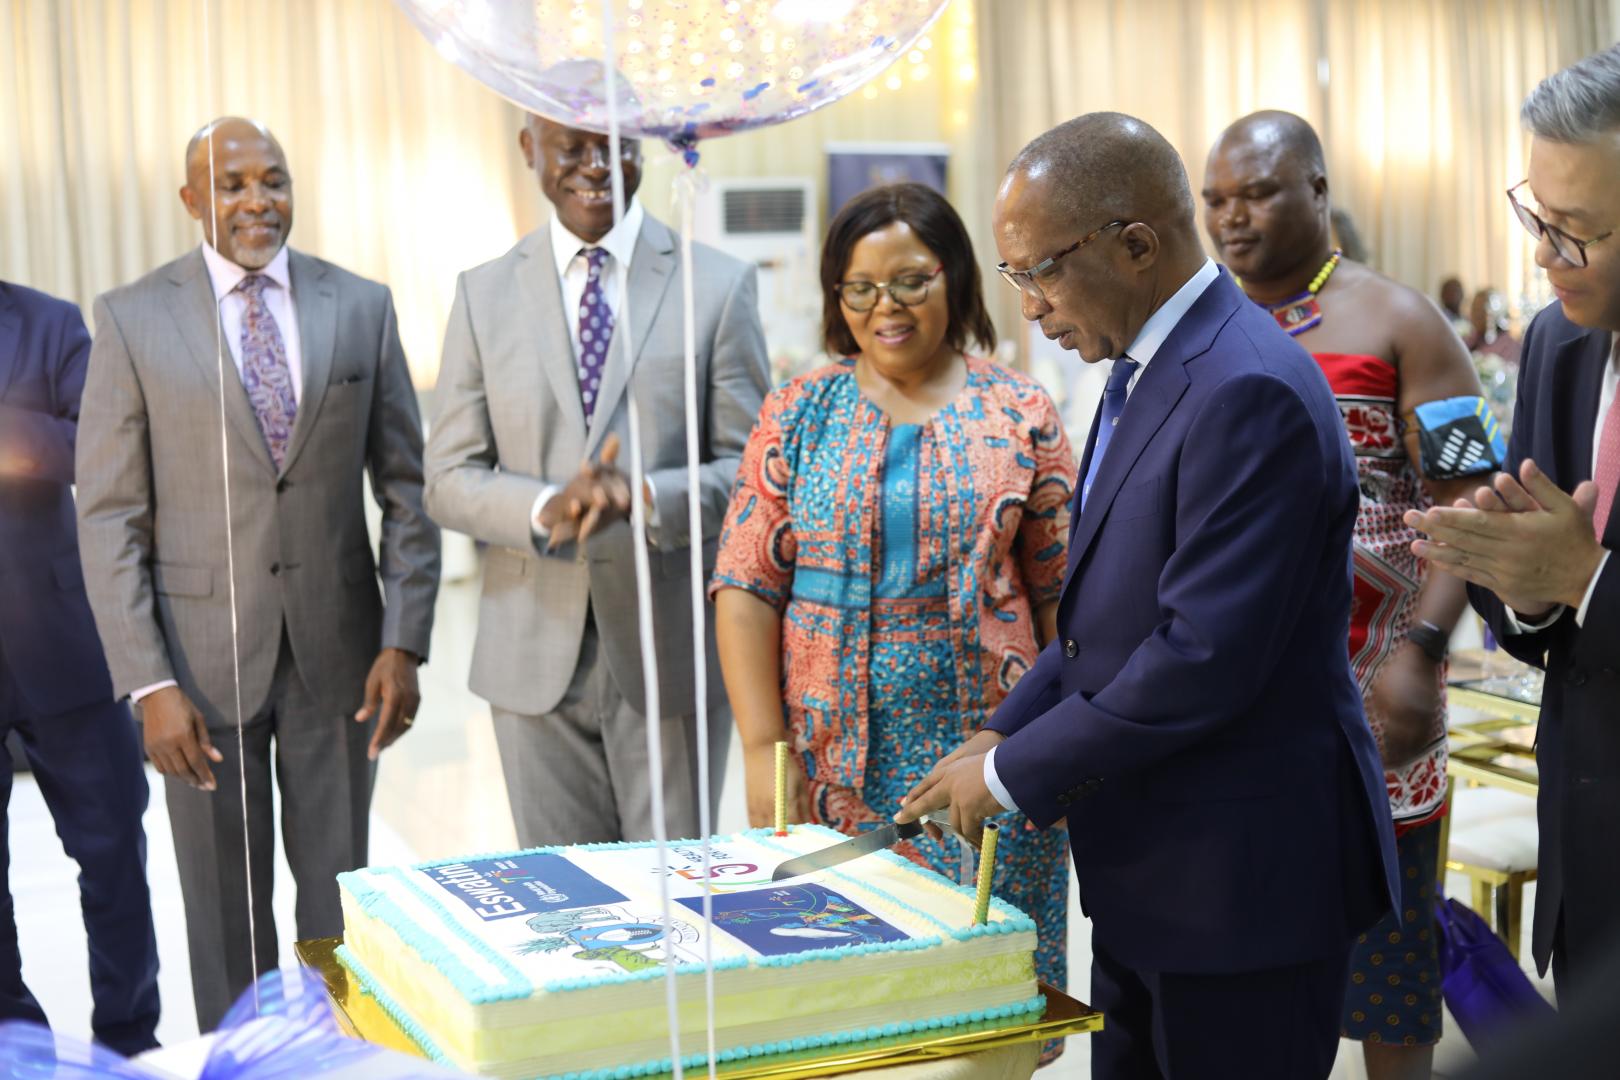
[987, 871]
[781, 788]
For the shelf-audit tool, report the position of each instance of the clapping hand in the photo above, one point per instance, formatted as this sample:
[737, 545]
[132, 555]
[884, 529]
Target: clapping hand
[1525, 540]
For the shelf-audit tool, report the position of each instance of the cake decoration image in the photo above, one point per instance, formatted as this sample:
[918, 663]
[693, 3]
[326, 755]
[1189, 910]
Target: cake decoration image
[795, 918]
[603, 935]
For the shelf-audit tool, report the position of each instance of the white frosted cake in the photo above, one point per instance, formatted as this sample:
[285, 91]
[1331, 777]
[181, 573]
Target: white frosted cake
[550, 962]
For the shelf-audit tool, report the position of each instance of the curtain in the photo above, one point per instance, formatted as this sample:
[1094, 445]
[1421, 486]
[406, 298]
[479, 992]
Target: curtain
[404, 169]
[1417, 102]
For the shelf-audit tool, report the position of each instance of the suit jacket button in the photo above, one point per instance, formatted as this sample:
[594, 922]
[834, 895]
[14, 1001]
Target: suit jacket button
[1064, 799]
[1576, 677]
[275, 568]
[1070, 649]
[281, 486]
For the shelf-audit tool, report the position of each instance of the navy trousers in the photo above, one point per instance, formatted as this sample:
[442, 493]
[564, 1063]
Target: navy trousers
[1279, 1024]
[88, 765]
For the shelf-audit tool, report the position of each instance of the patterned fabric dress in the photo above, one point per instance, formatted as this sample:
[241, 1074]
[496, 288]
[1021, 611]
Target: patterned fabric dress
[1388, 575]
[1394, 992]
[907, 561]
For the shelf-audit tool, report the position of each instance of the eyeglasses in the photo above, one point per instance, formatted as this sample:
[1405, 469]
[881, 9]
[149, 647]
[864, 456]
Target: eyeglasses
[908, 290]
[1029, 281]
[1569, 249]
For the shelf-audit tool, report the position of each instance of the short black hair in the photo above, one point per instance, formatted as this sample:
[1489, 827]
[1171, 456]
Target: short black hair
[940, 229]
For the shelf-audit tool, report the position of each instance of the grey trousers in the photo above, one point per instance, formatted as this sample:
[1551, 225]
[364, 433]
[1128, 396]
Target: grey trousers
[579, 774]
[324, 780]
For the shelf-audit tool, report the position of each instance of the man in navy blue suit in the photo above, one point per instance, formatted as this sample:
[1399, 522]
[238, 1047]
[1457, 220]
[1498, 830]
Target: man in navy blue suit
[1535, 549]
[1196, 720]
[54, 687]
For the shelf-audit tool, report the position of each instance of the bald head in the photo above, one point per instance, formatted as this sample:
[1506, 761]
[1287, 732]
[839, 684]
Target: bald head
[1098, 215]
[1266, 206]
[239, 188]
[1285, 138]
[1107, 165]
[232, 129]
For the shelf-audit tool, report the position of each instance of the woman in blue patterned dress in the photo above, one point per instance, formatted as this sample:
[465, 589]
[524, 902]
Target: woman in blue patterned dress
[895, 546]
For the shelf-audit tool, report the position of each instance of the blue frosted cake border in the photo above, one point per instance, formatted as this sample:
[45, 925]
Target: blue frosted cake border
[658, 1066]
[478, 991]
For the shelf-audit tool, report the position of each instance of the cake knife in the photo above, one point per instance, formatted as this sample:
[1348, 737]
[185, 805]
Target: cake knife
[884, 836]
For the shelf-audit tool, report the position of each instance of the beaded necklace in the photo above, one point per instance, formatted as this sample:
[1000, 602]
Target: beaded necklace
[1299, 313]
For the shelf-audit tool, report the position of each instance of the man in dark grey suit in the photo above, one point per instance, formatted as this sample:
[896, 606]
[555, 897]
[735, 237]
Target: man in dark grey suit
[534, 397]
[273, 622]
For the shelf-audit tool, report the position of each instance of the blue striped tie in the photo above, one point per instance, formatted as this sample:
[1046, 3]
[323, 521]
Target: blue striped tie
[1113, 405]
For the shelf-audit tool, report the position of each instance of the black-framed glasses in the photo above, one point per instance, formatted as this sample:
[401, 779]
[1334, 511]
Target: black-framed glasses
[908, 290]
[1569, 249]
[1029, 281]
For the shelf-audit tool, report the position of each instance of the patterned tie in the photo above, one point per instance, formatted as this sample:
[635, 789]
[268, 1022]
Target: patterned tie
[1607, 472]
[595, 331]
[1113, 405]
[265, 372]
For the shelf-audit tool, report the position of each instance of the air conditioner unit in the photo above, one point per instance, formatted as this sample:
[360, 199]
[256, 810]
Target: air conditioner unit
[772, 224]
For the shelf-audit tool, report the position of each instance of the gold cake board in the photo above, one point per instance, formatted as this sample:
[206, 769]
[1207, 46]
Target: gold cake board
[359, 1014]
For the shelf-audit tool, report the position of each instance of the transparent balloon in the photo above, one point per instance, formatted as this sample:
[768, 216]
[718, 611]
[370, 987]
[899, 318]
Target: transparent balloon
[687, 69]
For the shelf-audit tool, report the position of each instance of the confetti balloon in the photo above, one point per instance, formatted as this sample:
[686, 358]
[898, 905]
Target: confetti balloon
[687, 69]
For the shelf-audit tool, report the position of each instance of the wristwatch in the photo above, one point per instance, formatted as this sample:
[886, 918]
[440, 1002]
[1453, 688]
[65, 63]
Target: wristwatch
[1430, 638]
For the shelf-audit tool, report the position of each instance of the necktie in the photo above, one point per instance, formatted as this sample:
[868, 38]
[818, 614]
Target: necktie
[1607, 471]
[595, 330]
[265, 373]
[1113, 405]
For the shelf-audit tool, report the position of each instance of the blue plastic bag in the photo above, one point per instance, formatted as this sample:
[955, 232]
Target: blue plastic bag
[287, 1030]
[1486, 990]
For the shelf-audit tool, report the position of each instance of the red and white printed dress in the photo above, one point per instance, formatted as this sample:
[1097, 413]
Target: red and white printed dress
[1387, 574]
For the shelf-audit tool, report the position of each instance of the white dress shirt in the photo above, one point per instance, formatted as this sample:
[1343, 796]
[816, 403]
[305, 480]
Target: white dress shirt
[1611, 380]
[573, 271]
[225, 277]
[1153, 334]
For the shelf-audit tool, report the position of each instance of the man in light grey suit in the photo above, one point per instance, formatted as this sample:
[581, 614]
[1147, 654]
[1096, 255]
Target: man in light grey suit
[534, 397]
[274, 623]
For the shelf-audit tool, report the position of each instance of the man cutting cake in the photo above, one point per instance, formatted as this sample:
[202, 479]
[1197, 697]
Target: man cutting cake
[1196, 720]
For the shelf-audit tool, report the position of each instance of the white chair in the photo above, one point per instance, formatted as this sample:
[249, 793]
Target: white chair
[1492, 839]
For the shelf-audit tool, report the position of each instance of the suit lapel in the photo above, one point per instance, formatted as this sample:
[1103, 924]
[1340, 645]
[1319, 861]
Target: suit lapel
[651, 270]
[315, 298]
[11, 357]
[1578, 382]
[1158, 389]
[542, 321]
[196, 316]
[1080, 477]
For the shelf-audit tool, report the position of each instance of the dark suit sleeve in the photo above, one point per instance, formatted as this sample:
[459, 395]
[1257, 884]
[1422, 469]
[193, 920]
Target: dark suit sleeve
[1252, 528]
[1035, 693]
[739, 377]
[409, 558]
[1530, 647]
[37, 445]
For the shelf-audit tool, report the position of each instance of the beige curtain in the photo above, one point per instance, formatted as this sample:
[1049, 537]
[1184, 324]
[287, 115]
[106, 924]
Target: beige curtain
[405, 169]
[1417, 100]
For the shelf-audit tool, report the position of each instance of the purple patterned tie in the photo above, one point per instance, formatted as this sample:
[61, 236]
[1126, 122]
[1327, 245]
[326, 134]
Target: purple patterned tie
[265, 373]
[595, 331]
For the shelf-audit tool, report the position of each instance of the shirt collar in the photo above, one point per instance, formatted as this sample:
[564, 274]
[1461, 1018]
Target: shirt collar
[226, 275]
[620, 242]
[1161, 322]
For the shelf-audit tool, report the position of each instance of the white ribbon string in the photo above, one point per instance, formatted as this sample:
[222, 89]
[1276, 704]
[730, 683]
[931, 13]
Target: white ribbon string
[230, 535]
[622, 334]
[686, 193]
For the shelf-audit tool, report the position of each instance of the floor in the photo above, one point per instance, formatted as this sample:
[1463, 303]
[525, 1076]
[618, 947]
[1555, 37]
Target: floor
[439, 793]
